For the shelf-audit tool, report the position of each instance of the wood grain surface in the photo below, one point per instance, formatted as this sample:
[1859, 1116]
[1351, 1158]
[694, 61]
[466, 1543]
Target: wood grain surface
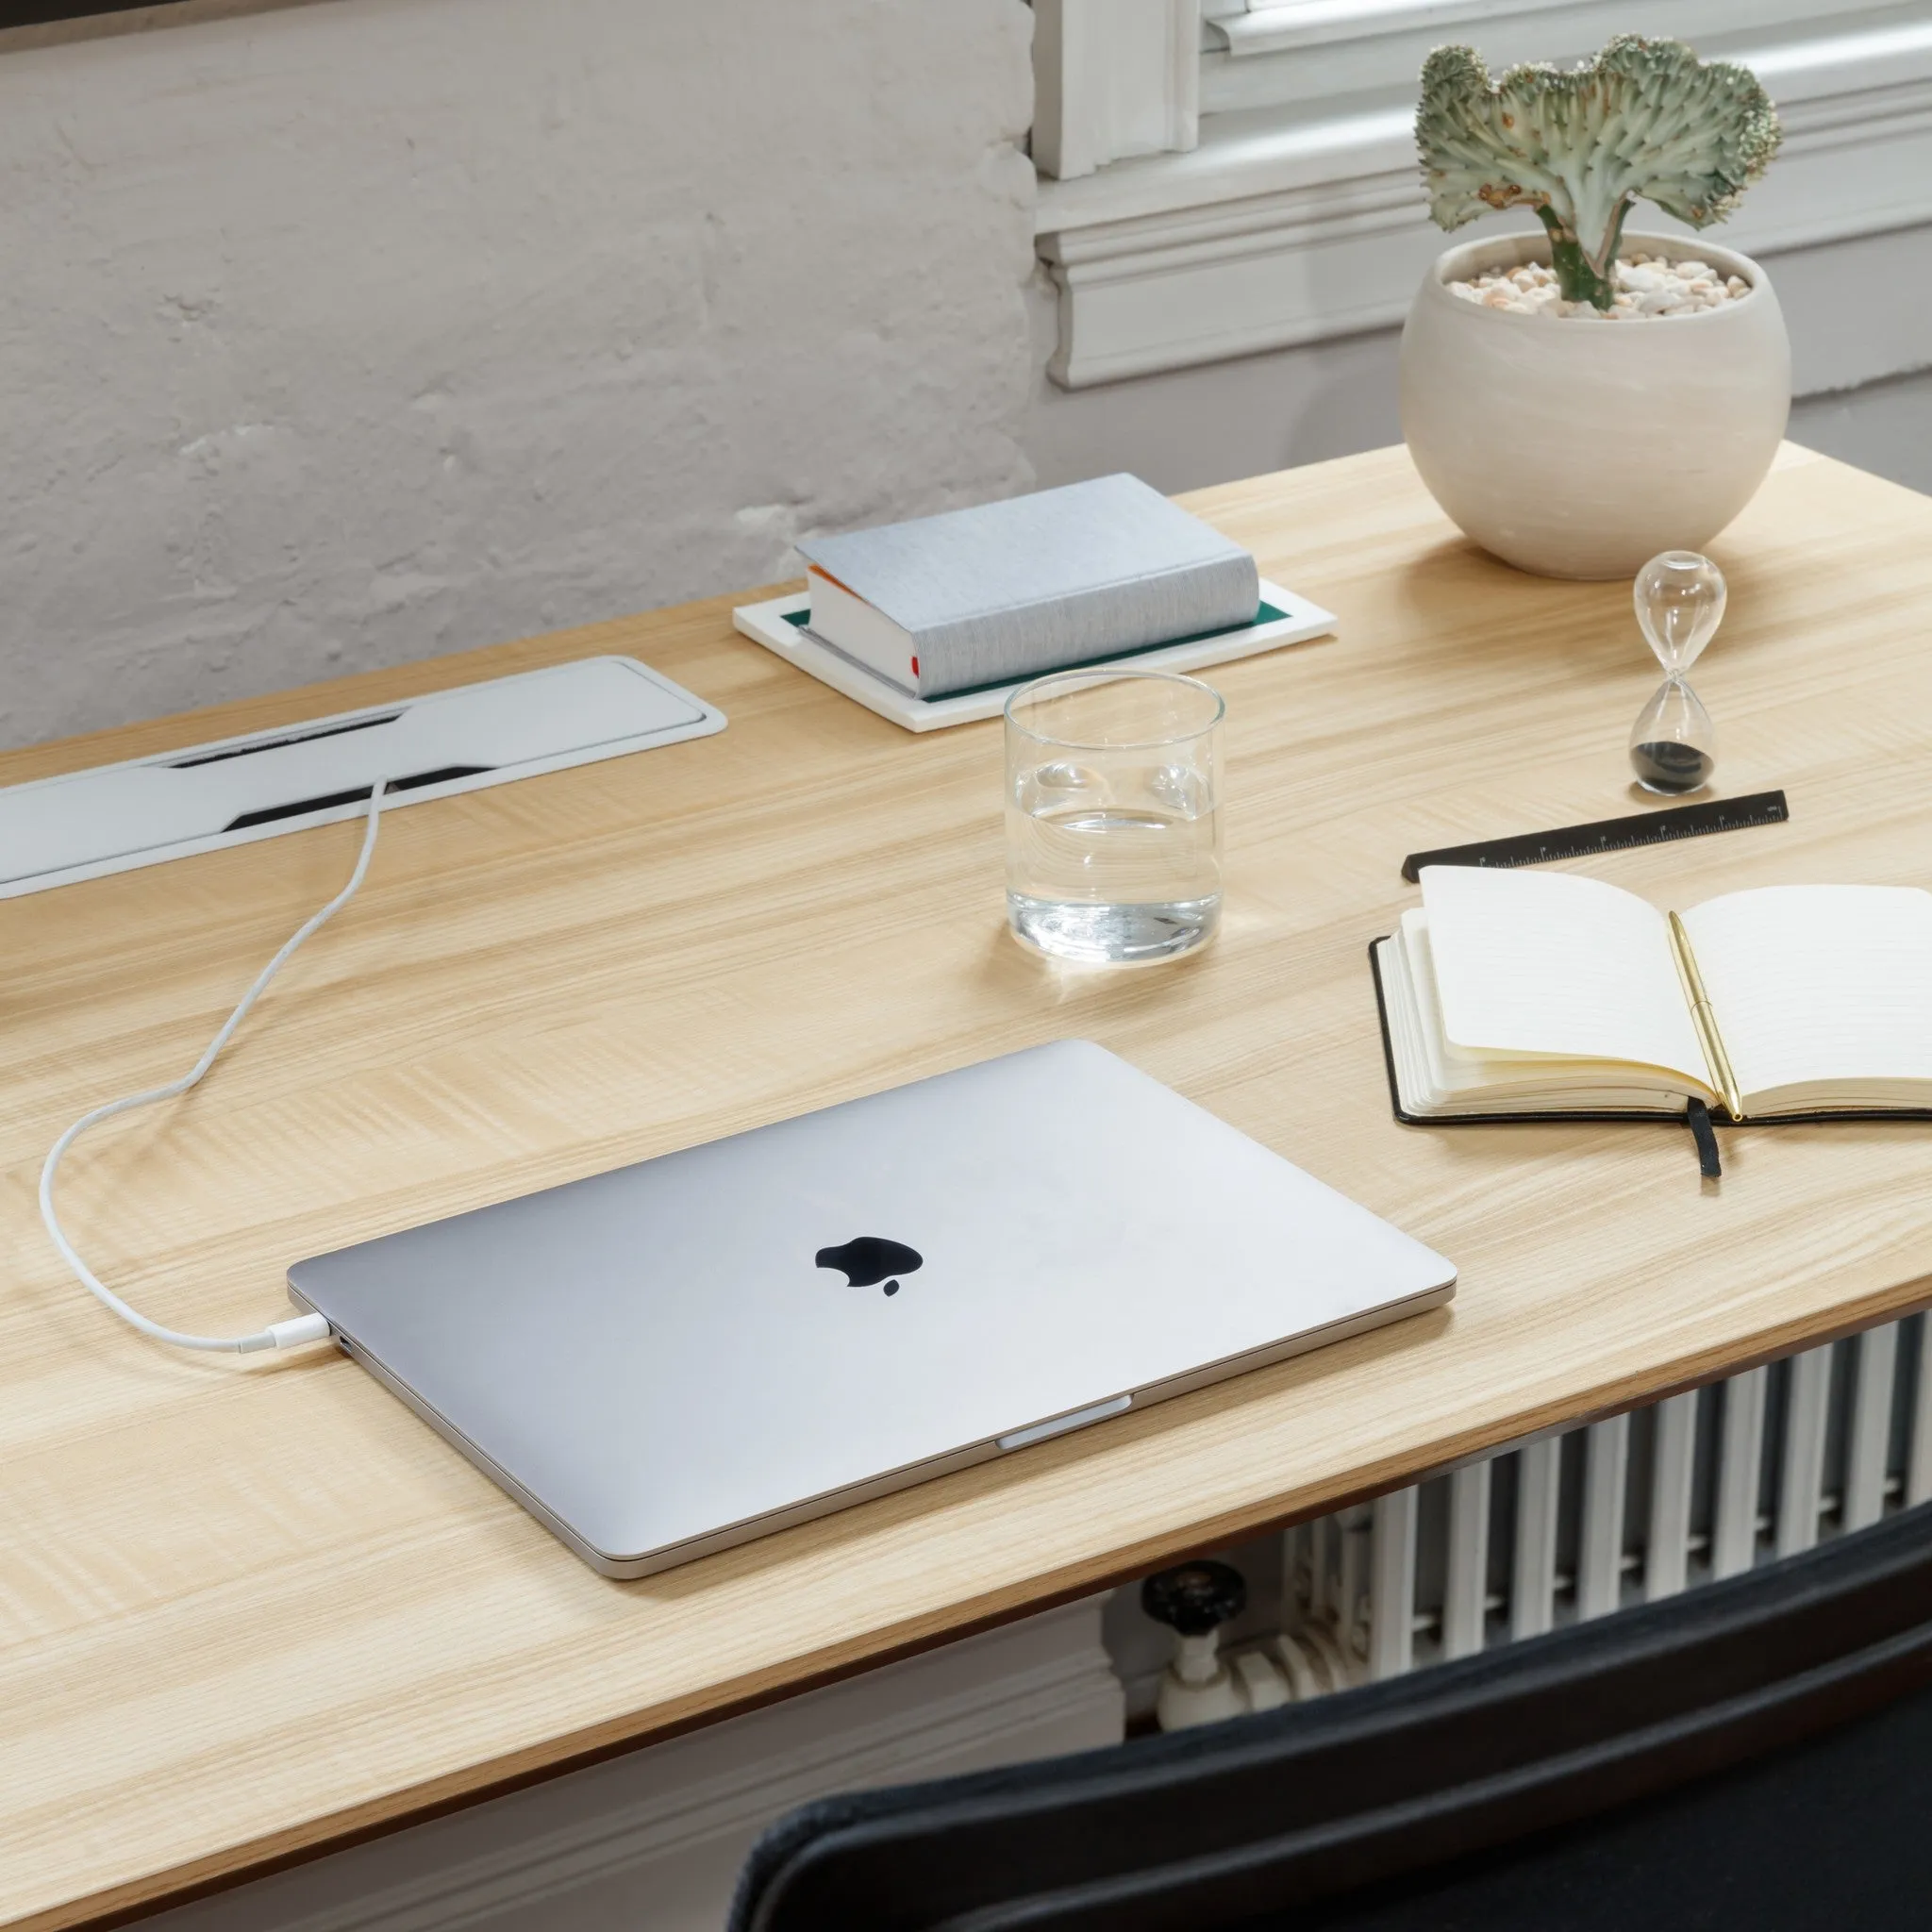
[248, 1606]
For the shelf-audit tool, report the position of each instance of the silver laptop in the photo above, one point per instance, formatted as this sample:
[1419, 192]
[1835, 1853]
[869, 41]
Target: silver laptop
[677, 1357]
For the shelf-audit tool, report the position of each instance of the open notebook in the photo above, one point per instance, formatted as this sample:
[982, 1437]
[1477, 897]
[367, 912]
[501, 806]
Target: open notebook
[1513, 993]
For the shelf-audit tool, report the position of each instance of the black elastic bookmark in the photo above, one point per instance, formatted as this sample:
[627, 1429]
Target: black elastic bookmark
[1697, 1118]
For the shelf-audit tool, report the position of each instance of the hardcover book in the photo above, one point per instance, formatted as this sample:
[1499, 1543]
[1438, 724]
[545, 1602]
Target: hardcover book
[1030, 585]
[1513, 994]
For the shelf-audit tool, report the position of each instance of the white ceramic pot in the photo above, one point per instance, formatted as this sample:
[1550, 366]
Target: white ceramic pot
[1581, 449]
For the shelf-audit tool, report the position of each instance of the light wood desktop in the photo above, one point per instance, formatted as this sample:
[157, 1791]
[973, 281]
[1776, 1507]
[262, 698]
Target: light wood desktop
[249, 1608]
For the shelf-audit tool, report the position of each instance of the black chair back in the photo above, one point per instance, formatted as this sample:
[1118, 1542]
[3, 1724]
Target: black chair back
[1381, 1800]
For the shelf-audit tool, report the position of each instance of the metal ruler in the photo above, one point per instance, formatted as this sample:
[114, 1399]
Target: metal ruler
[1611, 834]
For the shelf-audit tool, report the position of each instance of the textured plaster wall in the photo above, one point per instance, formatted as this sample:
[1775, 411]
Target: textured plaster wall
[357, 331]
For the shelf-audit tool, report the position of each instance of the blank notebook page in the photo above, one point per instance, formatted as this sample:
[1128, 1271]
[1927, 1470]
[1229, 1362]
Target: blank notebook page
[1555, 964]
[1819, 983]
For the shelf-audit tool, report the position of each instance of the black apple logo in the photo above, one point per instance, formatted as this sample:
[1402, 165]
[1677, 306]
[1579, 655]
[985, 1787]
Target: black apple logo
[871, 1258]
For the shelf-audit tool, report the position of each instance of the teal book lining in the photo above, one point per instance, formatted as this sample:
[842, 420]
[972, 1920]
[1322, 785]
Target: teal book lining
[1266, 614]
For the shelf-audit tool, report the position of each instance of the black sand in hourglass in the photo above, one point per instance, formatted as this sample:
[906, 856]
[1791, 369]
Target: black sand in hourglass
[1667, 766]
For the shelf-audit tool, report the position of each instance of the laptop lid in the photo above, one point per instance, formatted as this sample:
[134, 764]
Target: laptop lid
[675, 1356]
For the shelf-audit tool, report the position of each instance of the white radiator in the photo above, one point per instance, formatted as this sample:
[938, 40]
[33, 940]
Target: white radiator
[1586, 1520]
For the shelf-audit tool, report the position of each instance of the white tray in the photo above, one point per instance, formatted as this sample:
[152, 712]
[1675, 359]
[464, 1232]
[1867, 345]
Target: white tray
[771, 623]
[111, 818]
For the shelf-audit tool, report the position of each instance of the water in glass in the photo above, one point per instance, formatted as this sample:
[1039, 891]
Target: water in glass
[1113, 852]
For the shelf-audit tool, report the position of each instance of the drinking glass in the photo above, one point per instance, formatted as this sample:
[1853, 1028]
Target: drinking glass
[1113, 826]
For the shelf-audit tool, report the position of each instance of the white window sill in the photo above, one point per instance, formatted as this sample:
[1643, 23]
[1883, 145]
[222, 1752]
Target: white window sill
[1280, 228]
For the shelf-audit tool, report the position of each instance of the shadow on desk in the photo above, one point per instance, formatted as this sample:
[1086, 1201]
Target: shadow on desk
[1751, 1754]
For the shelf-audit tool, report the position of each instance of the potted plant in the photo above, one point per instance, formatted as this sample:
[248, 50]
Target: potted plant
[1580, 399]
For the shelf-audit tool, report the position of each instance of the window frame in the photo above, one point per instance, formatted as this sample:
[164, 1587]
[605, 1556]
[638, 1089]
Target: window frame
[1282, 221]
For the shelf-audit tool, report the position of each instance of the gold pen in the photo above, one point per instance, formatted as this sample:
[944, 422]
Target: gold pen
[1704, 1020]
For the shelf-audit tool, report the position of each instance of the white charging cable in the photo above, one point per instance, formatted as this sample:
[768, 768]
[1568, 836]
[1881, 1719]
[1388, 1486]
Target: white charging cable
[298, 1328]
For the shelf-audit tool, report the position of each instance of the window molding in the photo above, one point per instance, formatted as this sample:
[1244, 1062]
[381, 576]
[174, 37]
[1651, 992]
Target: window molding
[1278, 53]
[1279, 228]
[1274, 27]
[1113, 78]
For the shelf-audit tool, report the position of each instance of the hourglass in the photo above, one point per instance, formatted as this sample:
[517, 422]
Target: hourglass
[1681, 602]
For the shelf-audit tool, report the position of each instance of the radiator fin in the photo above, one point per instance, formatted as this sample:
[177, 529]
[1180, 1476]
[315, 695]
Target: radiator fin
[1801, 1483]
[1741, 1474]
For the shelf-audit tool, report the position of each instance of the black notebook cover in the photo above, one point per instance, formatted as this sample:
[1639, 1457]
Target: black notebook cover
[1717, 1115]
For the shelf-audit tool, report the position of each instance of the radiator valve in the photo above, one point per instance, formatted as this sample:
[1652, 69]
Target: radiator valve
[1194, 1600]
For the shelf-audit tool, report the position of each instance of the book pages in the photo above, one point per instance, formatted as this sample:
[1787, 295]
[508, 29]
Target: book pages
[1557, 965]
[1432, 1083]
[1822, 993]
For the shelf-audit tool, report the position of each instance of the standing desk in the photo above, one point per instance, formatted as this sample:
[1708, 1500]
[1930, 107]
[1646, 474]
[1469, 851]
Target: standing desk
[250, 1607]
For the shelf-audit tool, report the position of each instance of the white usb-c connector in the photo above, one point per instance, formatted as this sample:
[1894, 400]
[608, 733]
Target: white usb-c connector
[298, 1329]
[295, 1332]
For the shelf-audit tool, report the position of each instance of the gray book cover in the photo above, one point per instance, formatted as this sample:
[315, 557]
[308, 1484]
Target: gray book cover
[1033, 584]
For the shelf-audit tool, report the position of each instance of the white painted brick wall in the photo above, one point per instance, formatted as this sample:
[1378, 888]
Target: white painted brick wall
[347, 333]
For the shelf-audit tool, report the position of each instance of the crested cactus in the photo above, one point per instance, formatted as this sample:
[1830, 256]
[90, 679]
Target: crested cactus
[1643, 119]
